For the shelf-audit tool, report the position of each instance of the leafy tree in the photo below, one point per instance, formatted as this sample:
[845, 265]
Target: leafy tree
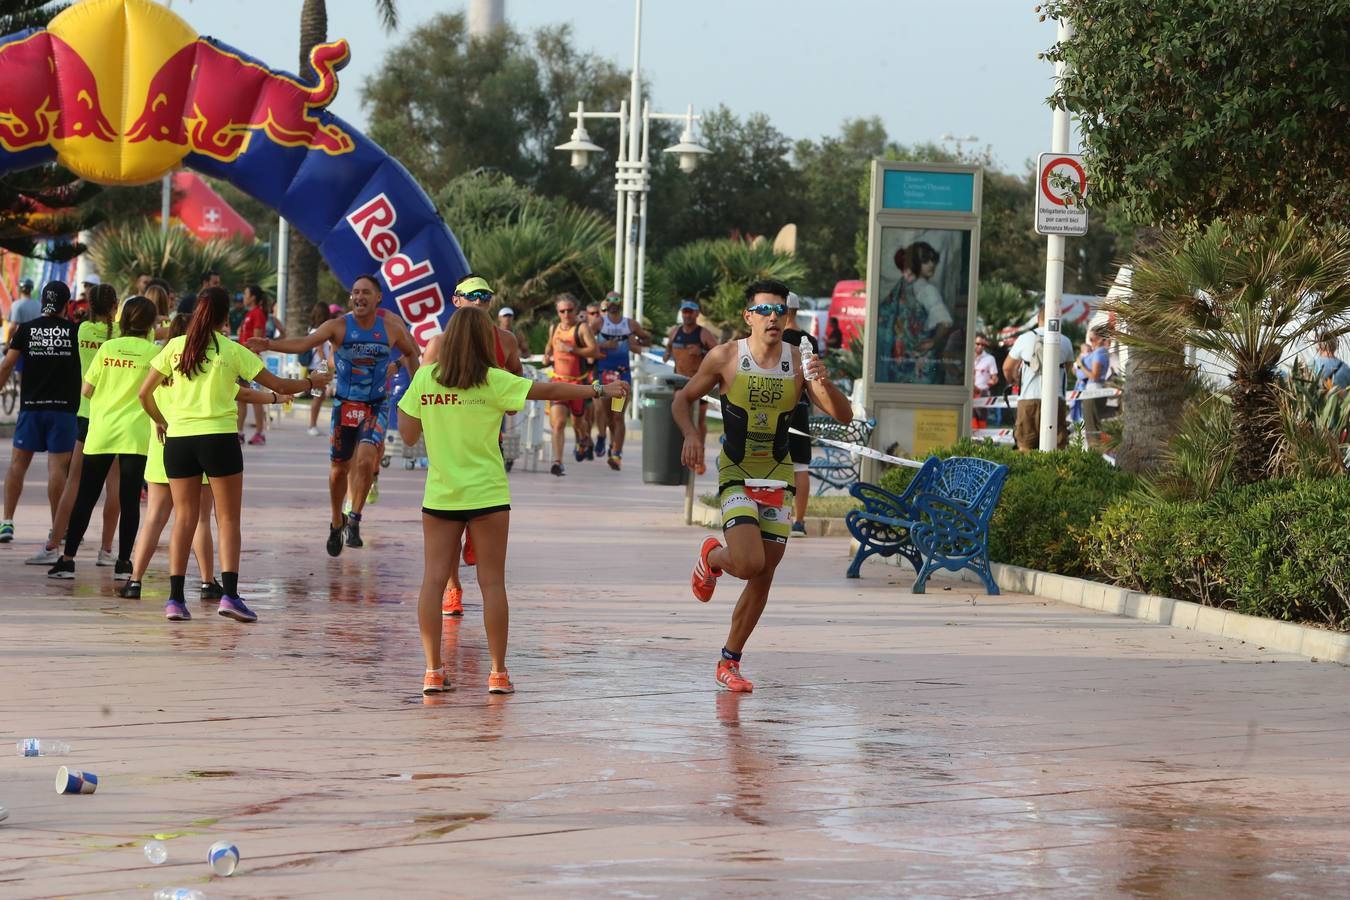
[1206, 109]
[124, 251]
[446, 105]
[746, 185]
[1251, 295]
[1001, 305]
[716, 272]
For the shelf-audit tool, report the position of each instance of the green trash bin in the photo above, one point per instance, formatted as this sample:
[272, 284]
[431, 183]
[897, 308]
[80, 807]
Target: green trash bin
[661, 437]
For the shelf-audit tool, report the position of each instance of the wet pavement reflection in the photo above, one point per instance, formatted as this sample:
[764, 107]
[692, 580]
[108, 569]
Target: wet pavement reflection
[895, 744]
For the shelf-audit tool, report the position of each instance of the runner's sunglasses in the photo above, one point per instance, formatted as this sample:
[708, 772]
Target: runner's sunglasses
[768, 309]
[478, 296]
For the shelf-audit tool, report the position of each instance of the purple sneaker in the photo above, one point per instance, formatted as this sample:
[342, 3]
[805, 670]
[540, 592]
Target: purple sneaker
[234, 608]
[176, 611]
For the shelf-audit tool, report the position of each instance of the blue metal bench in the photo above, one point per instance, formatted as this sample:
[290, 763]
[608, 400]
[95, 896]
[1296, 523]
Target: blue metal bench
[834, 466]
[941, 521]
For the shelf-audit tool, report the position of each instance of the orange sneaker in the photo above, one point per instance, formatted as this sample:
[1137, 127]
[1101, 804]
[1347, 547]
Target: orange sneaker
[470, 558]
[452, 604]
[434, 681]
[500, 683]
[729, 677]
[704, 579]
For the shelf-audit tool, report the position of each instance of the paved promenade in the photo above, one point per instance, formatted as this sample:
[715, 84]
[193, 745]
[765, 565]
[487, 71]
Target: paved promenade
[947, 745]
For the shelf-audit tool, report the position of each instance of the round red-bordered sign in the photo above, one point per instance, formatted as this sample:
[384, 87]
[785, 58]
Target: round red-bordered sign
[1045, 176]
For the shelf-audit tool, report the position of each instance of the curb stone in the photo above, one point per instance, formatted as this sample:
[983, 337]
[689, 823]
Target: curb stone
[1316, 644]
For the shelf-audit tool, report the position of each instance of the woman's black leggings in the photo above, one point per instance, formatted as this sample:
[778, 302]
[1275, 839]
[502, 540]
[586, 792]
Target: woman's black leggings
[92, 476]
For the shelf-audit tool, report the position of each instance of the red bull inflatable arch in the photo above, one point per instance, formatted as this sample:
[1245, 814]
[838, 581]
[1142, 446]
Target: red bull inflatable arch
[122, 92]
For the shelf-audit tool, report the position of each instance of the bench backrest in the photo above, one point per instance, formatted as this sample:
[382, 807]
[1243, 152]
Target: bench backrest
[972, 482]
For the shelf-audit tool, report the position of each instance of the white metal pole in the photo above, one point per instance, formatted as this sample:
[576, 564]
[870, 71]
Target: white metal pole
[634, 126]
[1051, 379]
[165, 199]
[621, 196]
[642, 213]
[283, 259]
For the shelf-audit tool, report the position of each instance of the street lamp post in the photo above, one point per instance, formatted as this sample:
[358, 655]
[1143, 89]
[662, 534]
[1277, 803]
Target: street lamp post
[632, 173]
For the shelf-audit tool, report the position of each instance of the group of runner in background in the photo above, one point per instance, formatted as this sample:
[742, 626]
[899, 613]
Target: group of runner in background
[133, 396]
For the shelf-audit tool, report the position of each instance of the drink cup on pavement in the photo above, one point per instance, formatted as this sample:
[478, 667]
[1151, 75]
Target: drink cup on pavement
[73, 781]
[223, 858]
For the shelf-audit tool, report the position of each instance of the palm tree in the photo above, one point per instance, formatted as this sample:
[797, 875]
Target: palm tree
[302, 271]
[1251, 295]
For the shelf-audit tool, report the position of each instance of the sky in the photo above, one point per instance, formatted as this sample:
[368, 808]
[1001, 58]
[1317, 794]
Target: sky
[964, 67]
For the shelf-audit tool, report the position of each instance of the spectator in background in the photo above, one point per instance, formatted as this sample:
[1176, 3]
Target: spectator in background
[986, 376]
[255, 325]
[142, 282]
[237, 314]
[1080, 380]
[1331, 373]
[319, 359]
[1024, 364]
[834, 336]
[25, 308]
[1097, 370]
[506, 320]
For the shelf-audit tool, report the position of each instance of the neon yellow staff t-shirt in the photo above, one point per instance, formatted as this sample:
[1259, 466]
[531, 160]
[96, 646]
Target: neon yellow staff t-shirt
[117, 421]
[88, 339]
[203, 403]
[461, 427]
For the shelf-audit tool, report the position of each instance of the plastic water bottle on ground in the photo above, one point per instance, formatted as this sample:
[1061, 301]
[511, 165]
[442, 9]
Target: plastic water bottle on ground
[808, 354]
[179, 894]
[156, 852]
[42, 747]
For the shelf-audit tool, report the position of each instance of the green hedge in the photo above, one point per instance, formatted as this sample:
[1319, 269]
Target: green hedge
[1048, 505]
[1279, 549]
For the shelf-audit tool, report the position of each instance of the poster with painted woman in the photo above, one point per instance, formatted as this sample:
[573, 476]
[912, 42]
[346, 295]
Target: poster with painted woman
[925, 290]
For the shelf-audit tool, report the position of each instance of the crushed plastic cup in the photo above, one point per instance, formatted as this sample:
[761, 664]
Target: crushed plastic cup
[223, 858]
[156, 852]
[73, 781]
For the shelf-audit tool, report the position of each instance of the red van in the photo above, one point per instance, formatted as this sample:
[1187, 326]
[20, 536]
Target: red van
[848, 304]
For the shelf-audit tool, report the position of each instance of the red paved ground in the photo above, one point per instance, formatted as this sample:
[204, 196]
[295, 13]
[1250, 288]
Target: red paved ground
[944, 745]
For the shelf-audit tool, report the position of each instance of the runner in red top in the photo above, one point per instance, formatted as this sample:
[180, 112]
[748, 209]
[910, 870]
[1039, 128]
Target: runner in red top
[570, 345]
[253, 326]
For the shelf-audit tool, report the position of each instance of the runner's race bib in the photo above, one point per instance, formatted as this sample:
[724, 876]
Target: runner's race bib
[351, 414]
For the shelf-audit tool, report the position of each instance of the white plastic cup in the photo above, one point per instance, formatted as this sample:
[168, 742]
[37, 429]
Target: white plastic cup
[223, 858]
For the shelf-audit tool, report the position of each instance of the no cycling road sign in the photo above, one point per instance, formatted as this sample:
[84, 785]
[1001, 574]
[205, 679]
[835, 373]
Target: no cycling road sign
[1061, 186]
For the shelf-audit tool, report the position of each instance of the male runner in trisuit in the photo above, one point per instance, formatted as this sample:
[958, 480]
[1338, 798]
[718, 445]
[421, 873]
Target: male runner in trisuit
[570, 345]
[362, 341]
[687, 344]
[760, 379]
[617, 332]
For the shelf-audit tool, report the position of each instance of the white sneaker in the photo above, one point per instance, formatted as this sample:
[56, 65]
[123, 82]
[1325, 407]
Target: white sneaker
[43, 557]
[312, 431]
[105, 558]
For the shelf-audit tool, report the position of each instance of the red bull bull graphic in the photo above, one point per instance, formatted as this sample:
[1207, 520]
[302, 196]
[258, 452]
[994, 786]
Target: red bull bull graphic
[186, 106]
[124, 91]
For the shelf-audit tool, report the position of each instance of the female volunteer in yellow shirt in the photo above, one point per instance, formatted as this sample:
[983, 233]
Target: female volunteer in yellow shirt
[196, 423]
[458, 404]
[118, 431]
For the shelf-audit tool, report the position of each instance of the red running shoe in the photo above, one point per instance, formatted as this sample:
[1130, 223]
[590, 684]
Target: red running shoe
[470, 558]
[704, 579]
[729, 677]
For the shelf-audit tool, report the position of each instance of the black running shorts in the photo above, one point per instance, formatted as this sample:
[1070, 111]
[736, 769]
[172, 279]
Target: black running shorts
[215, 455]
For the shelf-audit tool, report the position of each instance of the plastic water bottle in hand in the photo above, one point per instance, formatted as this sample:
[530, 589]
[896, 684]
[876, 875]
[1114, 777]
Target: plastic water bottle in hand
[808, 354]
[42, 747]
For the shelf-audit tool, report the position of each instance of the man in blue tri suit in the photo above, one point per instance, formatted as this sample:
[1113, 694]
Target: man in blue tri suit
[362, 343]
[617, 336]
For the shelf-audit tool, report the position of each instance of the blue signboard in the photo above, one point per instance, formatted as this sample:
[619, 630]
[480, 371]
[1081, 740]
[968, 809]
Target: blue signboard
[932, 191]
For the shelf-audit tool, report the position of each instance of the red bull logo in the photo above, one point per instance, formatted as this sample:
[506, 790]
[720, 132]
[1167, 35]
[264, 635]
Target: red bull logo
[124, 89]
[186, 106]
[49, 93]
